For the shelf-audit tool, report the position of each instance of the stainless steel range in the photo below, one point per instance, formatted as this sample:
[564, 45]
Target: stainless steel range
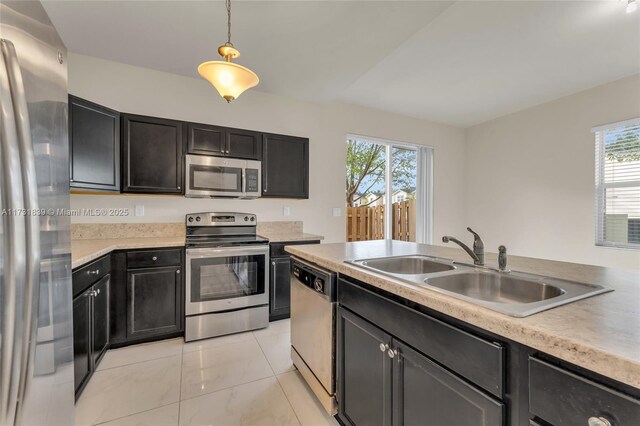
[227, 289]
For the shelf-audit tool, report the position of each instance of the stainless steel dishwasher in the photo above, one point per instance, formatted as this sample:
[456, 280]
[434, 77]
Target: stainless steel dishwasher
[313, 313]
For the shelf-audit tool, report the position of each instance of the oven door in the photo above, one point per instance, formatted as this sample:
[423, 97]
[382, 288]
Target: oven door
[214, 177]
[221, 279]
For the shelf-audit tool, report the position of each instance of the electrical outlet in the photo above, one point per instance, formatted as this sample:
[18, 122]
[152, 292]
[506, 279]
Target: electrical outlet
[337, 212]
[286, 211]
[139, 210]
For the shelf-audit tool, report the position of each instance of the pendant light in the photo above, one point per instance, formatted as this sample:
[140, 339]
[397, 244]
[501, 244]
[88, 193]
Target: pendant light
[229, 79]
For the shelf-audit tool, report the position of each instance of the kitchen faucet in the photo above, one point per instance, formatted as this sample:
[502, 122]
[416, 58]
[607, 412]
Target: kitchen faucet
[478, 247]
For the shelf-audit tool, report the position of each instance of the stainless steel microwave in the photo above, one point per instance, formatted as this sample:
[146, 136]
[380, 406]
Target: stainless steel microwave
[207, 177]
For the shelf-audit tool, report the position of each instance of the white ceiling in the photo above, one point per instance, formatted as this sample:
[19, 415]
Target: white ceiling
[459, 63]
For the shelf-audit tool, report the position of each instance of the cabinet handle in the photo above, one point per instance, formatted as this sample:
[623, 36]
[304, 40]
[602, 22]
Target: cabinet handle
[96, 272]
[178, 187]
[97, 292]
[154, 258]
[383, 347]
[392, 353]
[178, 271]
[598, 421]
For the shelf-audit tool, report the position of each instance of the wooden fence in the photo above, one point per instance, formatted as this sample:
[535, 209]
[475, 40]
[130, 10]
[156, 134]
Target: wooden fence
[367, 223]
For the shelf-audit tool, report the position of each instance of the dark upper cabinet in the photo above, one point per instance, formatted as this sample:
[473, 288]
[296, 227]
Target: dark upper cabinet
[285, 166]
[244, 144]
[424, 390]
[154, 301]
[94, 146]
[363, 371]
[82, 359]
[152, 159]
[204, 139]
[280, 288]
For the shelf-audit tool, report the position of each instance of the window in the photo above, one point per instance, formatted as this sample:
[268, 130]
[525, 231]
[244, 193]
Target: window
[618, 184]
[388, 190]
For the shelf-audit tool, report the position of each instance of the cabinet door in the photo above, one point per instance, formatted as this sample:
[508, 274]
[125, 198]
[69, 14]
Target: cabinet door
[279, 288]
[94, 146]
[152, 155]
[206, 140]
[82, 340]
[285, 166]
[364, 372]
[425, 393]
[154, 301]
[100, 340]
[243, 144]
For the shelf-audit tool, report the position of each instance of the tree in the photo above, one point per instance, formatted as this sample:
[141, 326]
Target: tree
[366, 169]
[625, 148]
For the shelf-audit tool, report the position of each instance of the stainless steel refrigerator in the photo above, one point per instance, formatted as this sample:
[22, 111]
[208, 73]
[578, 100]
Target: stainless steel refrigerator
[36, 344]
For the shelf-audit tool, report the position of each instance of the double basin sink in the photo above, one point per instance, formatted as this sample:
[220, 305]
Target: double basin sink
[516, 294]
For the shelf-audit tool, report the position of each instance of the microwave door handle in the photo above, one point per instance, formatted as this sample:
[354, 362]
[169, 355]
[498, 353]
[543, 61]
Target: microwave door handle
[243, 181]
[30, 189]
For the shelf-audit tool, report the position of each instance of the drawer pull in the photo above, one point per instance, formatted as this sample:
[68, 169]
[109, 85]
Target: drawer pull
[599, 421]
[383, 347]
[96, 272]
[392, 353]
[154, 258]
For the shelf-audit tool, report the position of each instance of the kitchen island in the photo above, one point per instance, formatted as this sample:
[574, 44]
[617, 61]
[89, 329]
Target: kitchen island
[595, 339]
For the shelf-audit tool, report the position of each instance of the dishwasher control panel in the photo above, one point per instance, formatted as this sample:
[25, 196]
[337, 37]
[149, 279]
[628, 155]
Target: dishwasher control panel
[315, 279]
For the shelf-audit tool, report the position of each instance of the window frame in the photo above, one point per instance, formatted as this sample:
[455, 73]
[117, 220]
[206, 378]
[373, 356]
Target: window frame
[601, 186]
[424, 181]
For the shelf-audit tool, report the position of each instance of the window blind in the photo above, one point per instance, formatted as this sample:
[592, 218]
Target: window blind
[618, 184]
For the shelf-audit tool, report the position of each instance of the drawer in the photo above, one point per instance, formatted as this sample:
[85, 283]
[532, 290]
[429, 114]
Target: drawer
[563, 398]
[85, 276]
[277, 249]
[151, 258]
[478, 360]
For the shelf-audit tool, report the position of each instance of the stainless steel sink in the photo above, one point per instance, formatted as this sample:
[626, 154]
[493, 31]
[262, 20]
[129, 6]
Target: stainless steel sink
[496, 287]
[516, 294]
[407, 265]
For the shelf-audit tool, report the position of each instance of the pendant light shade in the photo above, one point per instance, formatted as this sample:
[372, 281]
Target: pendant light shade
[229, 79]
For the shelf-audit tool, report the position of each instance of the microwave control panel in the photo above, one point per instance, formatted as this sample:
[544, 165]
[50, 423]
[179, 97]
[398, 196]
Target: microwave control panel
[252, 180]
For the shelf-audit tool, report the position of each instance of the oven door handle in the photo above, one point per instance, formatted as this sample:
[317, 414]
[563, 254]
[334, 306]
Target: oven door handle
[199, 253]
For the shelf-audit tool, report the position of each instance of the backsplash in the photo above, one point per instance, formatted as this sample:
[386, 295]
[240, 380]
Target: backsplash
[101, 231]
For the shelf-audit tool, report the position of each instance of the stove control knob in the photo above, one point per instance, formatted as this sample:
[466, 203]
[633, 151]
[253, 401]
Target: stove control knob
[198, 219]
[246, 218]
[253, 219]
[191, 219]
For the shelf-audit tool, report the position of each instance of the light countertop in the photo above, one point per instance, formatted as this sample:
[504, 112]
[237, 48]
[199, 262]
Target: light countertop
[84, 251]
[279, 237]
[600, 333]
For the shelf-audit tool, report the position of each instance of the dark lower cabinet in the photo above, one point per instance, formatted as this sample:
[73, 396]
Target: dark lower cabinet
[280, 279]
[153, 296]
[285, 166]
[148, 303]
[383, 381]
[82, 358]
[152, 159]
[426, 394]
[363, 371]
[90, 330]
[280, 288]
[94, 146]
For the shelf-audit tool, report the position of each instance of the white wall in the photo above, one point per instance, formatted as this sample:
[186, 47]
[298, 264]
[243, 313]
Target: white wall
[530, 176]
[144, 91]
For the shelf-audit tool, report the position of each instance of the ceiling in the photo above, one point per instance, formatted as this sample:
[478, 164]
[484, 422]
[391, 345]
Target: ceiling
[459, 63]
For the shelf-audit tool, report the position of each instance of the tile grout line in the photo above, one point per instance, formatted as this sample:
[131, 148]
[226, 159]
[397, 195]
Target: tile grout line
[295, 413]
[137, 362]
[134, 414]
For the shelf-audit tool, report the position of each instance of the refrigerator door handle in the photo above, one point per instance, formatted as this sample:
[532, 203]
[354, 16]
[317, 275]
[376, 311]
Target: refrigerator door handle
[14, 252]
[30, 191]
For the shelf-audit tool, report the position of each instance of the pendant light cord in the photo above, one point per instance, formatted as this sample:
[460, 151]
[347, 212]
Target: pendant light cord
[229, 22]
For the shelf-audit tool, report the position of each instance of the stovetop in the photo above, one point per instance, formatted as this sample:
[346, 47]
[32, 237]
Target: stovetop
[224, 241]
[222, 229]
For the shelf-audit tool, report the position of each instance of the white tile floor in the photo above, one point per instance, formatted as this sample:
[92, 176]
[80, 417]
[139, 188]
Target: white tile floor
[242, 379]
